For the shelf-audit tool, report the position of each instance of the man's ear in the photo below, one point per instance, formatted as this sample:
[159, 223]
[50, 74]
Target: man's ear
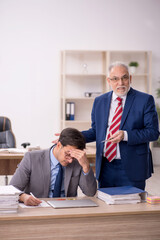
[59, 145]
[108, 80]
[130, 78]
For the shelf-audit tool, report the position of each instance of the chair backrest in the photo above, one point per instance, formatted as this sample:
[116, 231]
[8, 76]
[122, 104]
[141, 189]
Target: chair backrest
[7, 138]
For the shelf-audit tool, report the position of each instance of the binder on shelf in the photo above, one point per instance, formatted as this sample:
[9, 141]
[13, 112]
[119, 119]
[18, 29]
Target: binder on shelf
[67, 111]
[72, 104]
[70, 110]
[121, 195]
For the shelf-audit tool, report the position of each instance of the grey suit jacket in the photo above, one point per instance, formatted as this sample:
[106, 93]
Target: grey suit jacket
[34, 175]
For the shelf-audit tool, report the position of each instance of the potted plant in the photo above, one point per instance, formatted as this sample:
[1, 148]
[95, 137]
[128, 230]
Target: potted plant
[133, 66]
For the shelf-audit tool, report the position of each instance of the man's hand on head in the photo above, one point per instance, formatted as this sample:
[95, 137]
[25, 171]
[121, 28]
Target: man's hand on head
[81, 157]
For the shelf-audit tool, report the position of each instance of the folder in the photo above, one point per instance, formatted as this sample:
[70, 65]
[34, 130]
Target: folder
[72, 104]
[119, 195]
[68, 111]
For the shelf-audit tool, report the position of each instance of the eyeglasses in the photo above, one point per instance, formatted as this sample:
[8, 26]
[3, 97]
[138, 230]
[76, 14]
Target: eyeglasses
[123, 78]
[68, 155]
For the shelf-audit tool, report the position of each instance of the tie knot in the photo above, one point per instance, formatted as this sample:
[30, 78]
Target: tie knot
[119, 99]
[60, 167]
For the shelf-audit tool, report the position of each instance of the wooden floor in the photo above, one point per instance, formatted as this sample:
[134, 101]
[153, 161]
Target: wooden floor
[152, 184]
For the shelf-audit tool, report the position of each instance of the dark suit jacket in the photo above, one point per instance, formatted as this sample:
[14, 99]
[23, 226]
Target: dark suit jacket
[140, 120]
[34, 175]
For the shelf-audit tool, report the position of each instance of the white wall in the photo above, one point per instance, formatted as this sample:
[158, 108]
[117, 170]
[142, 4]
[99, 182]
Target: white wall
[33, 32]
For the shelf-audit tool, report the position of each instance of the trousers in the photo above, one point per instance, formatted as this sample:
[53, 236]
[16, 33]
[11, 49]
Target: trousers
[114, 175]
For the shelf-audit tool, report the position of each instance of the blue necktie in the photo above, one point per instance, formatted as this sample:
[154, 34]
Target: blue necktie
[58, 182]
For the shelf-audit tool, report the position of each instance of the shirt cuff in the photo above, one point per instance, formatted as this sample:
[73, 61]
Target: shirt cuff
[85, 173]
[125, 136]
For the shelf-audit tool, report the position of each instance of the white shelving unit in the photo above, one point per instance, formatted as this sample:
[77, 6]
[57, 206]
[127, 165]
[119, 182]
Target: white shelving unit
[86, 72]
[82, 72]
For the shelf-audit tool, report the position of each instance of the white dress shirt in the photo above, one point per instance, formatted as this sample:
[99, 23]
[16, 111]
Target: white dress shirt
[113, 106]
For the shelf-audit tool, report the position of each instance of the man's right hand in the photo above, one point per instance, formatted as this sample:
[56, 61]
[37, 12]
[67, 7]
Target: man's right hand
[29, 200]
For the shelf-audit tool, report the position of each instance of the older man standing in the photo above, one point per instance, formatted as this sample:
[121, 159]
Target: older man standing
[124, 121]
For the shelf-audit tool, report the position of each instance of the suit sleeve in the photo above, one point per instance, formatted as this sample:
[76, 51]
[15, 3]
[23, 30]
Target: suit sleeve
[22, 173]
[90, 134]
[87, 183]
[145, 127]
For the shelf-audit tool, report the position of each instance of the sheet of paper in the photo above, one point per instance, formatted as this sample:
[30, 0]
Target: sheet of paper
[9, 190]
[43, 204]
[13, 150]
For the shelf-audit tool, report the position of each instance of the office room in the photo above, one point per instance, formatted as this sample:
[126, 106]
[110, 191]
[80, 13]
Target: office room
[40, 40]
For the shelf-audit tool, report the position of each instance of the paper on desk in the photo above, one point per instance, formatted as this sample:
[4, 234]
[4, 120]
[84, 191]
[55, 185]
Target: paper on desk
[13, 150]
[9, 190]
[42, 204]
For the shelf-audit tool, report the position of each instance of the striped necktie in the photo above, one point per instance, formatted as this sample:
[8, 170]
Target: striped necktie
[111, 148]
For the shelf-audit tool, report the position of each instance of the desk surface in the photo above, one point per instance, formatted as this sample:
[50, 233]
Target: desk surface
[102, 210]
[11, 156]
[130, 221]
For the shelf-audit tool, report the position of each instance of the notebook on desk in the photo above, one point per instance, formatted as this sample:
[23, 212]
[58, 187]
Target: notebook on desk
[72, 203]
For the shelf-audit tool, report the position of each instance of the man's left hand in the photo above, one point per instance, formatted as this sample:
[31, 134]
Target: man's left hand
[116, 137]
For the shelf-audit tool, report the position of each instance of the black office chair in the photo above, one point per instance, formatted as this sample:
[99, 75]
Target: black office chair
[7, 138]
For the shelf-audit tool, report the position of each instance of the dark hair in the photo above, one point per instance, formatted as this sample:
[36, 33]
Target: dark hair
[72, 137]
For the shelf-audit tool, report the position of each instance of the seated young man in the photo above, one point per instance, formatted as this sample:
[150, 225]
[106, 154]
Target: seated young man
[38, 171]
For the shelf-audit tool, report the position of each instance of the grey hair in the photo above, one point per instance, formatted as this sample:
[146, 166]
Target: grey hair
[119, 64]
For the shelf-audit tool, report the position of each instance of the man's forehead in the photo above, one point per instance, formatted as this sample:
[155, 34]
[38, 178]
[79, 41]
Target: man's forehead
[69, 147]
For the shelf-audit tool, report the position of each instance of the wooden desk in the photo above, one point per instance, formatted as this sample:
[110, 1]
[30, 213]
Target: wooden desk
[132, 221]
[8, 162]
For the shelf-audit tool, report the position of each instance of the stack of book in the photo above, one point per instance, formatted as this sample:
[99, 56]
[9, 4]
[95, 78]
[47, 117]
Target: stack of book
[9, 196]
[122, 195]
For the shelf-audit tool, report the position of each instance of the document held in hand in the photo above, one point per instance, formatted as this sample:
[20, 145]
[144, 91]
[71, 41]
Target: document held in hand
[122, 195]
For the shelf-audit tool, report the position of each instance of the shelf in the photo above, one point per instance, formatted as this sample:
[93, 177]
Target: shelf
[83, 75]
[75, 121]
[79, 98]
[140, 75]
